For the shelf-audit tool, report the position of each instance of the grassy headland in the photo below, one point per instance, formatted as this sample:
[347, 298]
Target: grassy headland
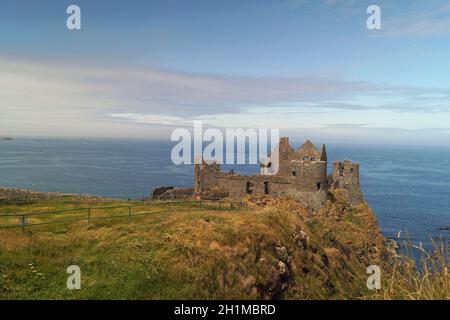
[267, 250]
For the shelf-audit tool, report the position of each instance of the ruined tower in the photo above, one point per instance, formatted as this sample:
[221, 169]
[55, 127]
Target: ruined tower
[346, 177]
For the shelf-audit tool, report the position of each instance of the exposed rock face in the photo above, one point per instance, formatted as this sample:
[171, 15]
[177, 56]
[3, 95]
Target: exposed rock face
[281, 253]
[318, 255]
[159, 191]
[301, 174]
[164, 193]
[301, 239]
[392, 247]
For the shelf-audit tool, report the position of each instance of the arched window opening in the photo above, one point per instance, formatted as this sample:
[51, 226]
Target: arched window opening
[266, 187]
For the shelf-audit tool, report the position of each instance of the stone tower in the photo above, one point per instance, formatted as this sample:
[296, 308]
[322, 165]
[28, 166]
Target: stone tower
[346, 177]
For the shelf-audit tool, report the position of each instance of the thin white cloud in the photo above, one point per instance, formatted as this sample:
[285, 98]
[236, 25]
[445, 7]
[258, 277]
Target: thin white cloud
[399, 18]
[58, 99]
[64, 100]
[346, 125]
[435, 20]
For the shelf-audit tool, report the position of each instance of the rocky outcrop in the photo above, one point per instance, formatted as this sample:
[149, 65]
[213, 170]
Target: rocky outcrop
[167, 193]
[309, 255]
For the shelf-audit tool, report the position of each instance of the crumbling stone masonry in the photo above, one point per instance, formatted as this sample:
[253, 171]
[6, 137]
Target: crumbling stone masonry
[346, 177]
[302, 174]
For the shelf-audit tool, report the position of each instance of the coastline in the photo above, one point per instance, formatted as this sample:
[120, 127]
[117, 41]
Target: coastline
[10, 194]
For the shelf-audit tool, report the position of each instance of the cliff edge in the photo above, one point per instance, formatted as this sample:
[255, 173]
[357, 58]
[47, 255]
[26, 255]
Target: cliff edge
[269, 249]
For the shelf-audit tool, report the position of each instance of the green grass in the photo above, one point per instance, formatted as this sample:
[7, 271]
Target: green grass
[136, 259]
[54, 211]
[352, 218]
[208, 254]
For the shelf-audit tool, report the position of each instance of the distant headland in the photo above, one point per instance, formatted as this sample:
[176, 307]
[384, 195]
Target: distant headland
[6, 138]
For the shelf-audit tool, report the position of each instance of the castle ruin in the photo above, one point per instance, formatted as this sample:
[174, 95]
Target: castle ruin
[302, 174]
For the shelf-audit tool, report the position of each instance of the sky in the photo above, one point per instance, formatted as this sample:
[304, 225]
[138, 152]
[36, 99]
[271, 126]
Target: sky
[311, 68]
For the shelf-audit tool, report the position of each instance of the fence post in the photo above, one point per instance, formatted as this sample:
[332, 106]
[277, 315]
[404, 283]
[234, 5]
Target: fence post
[129, 214]
[24, 221]
[200, 205]
[170, 206]
[89, 215]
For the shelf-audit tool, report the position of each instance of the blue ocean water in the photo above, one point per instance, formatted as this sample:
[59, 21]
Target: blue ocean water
[407, 187]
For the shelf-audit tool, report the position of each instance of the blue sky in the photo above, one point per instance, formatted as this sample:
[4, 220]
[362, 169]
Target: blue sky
[308, 67]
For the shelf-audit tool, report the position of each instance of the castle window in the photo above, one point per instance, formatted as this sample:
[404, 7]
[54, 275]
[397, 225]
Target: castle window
[351, 169]
[305, 158]
[318, 184]
[294, 173]
[266, 188]
[313, 159]
[249, 188]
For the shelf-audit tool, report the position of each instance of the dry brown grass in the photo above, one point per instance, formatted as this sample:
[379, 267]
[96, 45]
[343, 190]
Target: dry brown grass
[214, 255]
[429, 281]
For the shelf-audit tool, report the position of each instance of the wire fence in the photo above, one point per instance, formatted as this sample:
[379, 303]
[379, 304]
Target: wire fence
[25, 200]
[31, 219]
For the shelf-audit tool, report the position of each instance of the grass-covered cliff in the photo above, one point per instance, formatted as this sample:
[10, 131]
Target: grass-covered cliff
[267, 250]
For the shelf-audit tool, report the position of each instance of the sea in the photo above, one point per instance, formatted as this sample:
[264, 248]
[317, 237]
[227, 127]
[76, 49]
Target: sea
[408, 187]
